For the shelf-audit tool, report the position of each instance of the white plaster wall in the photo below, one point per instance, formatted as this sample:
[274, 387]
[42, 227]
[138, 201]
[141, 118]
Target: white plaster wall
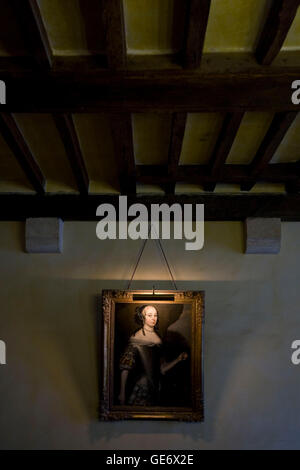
[49, 386]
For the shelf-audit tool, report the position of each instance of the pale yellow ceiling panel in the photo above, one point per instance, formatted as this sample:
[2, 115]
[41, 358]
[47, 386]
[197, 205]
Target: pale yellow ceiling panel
[45, 143]
[262, 187]
[151, 137]
[227, 188]
[96, 142]
[11, 40]
[14, 186]
[289, 149]
[12, 177]
[149, 189]
[154, 26]
[253, 128]
[74, 26]
[188, 188]
[292, 41]
[201, 132]
[234, 25]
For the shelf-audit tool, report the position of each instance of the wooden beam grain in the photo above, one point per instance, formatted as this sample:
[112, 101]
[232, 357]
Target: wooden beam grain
[230, 174]
[142, 91]
[223, 145]
[276, 132]
[294, 186]
[29, 16]
[216, 206]
[197, 19]
[176, 140]
[114, 25]
[121, 127]
[224, 142]
[18, 145]
[276, 28]
[65, 126]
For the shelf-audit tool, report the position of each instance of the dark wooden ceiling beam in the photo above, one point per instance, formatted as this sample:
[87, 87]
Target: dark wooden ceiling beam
[217, 207]
[224, 142]
[209, 187]
[277, 130]
[121, 126]
[196, 24]
[150, 92]
[68, 135]
[115, 35]
[95, 65]
[276, 28]
[18, 145]
[29, 15]
[223, 145]
[294, 186]
[176, 141]
[230, 174]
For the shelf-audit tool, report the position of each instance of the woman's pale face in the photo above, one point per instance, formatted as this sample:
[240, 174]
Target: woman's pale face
[150, 315]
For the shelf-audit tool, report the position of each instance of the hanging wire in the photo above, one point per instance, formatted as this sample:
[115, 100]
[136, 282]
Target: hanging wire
[140, 255]
[165, 258]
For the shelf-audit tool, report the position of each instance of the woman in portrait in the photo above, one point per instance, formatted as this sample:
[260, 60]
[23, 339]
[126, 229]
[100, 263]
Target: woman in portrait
[142, 363]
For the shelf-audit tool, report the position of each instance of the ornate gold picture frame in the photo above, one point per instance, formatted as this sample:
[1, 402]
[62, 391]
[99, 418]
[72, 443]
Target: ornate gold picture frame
[152, 363]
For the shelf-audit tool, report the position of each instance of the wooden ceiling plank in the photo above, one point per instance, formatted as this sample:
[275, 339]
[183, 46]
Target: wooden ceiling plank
[150, 92]
[121, 126]
[276, 28]
[30, 19]
[176, 141]
[294, 186]
[223, 145]
[248, 185]
[65, 126]
[210, 187]
[217, 207]
[115, 35]
[276, 132]
[197, 19]
[201, 174]
[225, 141]
[18, 145]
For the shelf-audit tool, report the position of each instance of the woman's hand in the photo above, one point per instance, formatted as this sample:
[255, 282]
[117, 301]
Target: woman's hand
[182, 357]
[168, 366]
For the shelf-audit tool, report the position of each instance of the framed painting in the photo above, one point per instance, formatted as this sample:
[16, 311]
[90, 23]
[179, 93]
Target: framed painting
[152, 362]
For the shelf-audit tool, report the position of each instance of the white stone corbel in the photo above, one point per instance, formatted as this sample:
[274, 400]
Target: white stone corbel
[262, 235]
[44, 235]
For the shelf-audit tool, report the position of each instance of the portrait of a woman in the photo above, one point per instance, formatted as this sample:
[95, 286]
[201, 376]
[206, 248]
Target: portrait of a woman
[143, 364]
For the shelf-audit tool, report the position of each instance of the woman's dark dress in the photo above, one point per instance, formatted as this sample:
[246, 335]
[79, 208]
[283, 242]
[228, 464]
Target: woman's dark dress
[142, 359]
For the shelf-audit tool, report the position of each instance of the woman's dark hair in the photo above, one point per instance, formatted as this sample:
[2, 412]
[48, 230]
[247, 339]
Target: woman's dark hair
[139, 318]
